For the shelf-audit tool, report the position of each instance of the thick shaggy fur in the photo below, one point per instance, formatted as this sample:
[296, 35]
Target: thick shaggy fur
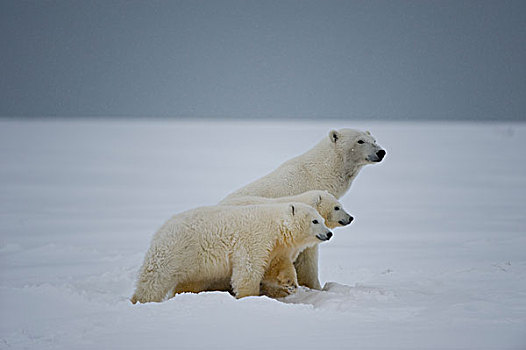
[325, 203]
[280, 278]
[199, 247]
[331, 165]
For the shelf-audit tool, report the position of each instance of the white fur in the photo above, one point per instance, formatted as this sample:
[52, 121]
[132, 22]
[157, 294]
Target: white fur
[331, 165]
[199, 247]
[325, 203]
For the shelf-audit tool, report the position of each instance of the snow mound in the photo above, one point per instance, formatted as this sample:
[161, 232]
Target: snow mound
[338, 297]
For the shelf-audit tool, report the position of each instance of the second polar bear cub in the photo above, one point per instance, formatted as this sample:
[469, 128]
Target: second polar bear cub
[325, 203]
[280, 277]
[201, 246]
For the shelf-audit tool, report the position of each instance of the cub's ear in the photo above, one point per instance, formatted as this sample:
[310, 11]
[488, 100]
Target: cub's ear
[334, 135]
[292, 209]
[318, 200]
[368, 132]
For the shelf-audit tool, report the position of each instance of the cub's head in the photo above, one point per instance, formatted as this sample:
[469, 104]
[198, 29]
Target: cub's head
[330, 209]
[356, 146]
[307, 225]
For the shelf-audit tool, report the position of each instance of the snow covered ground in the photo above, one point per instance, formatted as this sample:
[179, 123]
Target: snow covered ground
[436, 258]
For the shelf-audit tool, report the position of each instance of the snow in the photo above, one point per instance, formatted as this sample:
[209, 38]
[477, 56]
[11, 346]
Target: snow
[434, 260]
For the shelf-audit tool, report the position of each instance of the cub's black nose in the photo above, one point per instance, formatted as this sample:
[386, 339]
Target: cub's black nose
[329, 235]
[343, 223]
[380, 154]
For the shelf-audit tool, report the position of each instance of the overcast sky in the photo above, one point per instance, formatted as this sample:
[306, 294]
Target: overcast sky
[253, 59]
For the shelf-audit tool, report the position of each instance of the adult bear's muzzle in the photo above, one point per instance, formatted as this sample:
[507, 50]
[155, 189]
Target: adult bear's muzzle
[380, 154]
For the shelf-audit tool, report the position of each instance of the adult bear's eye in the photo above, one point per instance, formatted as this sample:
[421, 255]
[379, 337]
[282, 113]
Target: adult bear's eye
[336, 208]
[360, 141]
[314, 221]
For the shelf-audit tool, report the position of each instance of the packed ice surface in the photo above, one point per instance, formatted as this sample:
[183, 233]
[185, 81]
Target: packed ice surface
[436, 258]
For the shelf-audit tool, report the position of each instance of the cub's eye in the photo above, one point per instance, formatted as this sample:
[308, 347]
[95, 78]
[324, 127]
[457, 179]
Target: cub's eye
[315, 221]
[361, 141]
[336, 208]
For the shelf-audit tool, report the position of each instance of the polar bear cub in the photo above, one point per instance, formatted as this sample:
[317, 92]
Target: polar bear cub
[280, 278]
[201, 246]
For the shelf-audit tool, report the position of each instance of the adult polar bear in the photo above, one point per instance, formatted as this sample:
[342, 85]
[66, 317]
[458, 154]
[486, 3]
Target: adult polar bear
[331, 165]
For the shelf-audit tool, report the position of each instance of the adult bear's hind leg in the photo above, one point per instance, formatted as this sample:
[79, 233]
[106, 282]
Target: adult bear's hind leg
[307, 268]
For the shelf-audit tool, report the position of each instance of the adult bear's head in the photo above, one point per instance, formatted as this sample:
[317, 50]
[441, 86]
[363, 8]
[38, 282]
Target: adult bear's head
[357, 147]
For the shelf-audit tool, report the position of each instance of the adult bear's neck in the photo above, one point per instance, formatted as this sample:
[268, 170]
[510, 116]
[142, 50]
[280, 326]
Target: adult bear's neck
[330, 171]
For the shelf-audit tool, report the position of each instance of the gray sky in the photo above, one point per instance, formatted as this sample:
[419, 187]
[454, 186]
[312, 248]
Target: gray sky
[253, 59]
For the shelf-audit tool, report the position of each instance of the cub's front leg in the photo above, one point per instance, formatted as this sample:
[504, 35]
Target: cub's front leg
[248, 267]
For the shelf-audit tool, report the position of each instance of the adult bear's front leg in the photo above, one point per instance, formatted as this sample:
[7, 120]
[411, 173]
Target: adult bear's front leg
[307, 268]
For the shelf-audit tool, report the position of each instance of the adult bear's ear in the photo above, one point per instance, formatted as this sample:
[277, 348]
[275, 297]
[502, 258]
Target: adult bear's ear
[292, 209]
[334, 135]
[368, 132]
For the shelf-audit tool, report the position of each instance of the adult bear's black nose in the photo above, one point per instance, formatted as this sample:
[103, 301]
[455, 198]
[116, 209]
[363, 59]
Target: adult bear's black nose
[380, 154]
[329, 235]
